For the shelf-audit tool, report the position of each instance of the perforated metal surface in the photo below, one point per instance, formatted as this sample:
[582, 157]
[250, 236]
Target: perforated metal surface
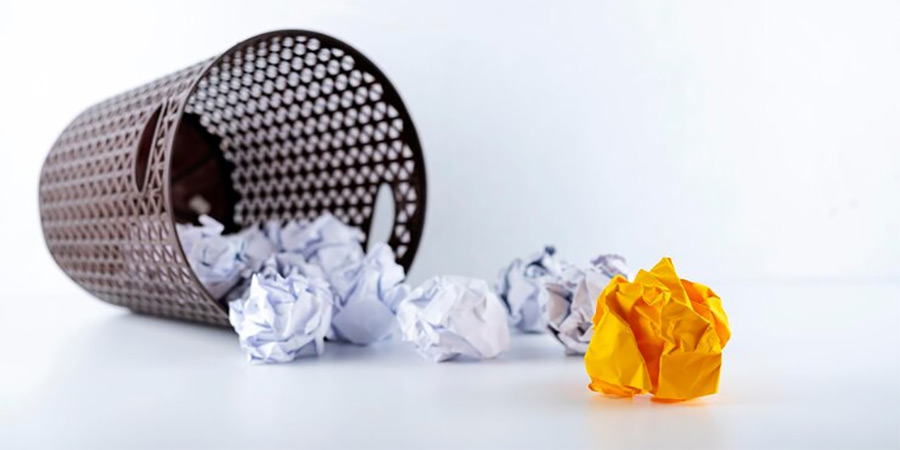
[287, 124]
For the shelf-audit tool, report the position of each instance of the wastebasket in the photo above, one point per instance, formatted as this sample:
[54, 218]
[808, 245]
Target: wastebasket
[285, 125]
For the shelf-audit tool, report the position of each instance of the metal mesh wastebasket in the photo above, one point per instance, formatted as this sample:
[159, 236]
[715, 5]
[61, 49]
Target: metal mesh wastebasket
[285, 125]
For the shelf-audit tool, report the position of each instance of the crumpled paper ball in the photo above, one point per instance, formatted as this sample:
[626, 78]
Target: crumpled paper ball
[449, 316]
[219, 261]
[283, 315]
[572, 297]
[366, 294]
[521, 288]
[326, 241]
[658, 334]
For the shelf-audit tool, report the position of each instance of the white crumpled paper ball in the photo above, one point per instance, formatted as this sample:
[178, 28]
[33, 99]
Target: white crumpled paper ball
[573, 300]
[449, 316]
[520, 286]
[326, 241]
[282, 315]
[219, 261]
[366, 294]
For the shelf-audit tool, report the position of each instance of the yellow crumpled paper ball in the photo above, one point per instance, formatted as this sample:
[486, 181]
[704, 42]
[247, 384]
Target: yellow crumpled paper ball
[658, 334]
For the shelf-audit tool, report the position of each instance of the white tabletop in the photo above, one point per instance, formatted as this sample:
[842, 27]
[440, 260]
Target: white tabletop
[810, 365]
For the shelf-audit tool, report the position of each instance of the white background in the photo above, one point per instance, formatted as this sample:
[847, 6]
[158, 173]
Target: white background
[756, 143]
